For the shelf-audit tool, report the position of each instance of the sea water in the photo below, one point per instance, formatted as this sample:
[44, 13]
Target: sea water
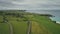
[55, 13]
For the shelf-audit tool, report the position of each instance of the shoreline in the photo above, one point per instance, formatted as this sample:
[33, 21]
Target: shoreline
[58, 22]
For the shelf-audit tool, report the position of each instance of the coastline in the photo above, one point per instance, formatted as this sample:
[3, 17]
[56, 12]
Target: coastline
[58, 22]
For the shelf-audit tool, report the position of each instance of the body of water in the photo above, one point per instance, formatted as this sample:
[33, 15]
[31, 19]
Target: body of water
[55, 13]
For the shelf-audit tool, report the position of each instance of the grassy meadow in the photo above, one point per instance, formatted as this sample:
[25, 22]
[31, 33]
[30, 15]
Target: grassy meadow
[18, 21]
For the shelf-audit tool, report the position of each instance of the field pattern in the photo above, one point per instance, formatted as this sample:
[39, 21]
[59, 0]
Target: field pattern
[21, 22]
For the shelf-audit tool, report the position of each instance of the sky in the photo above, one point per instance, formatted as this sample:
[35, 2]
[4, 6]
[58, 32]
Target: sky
[30, 4]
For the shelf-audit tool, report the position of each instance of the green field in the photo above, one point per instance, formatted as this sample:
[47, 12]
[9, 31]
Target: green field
[18, 20]
[19, 27]
[4, 28]
[46, 25]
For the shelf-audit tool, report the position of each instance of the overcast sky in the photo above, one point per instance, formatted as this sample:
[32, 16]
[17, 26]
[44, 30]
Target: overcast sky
[30, 4]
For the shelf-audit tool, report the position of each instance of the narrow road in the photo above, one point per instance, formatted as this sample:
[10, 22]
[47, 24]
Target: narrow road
[11, 28]
[29, 27]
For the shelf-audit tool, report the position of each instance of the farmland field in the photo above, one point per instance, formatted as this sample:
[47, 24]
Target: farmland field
[19, 27]
[44, 25]
[17, 23]
[4, 28]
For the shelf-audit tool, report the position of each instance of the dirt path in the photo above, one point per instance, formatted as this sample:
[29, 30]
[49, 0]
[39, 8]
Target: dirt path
[29, 27]
[11, 28]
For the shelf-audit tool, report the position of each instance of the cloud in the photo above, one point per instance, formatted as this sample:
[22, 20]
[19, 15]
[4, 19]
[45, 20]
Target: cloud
[30, 4]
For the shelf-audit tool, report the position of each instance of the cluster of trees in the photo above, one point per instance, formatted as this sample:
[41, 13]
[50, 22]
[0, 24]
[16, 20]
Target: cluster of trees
[5, 11]
[1, 12]
[5, 20]
[46, 15]
[14, 14]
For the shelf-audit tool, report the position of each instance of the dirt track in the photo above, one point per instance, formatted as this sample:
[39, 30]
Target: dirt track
[29, 27]
[11, 28]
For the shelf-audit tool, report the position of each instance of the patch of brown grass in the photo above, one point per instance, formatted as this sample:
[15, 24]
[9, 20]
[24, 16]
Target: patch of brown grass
[37, 29]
